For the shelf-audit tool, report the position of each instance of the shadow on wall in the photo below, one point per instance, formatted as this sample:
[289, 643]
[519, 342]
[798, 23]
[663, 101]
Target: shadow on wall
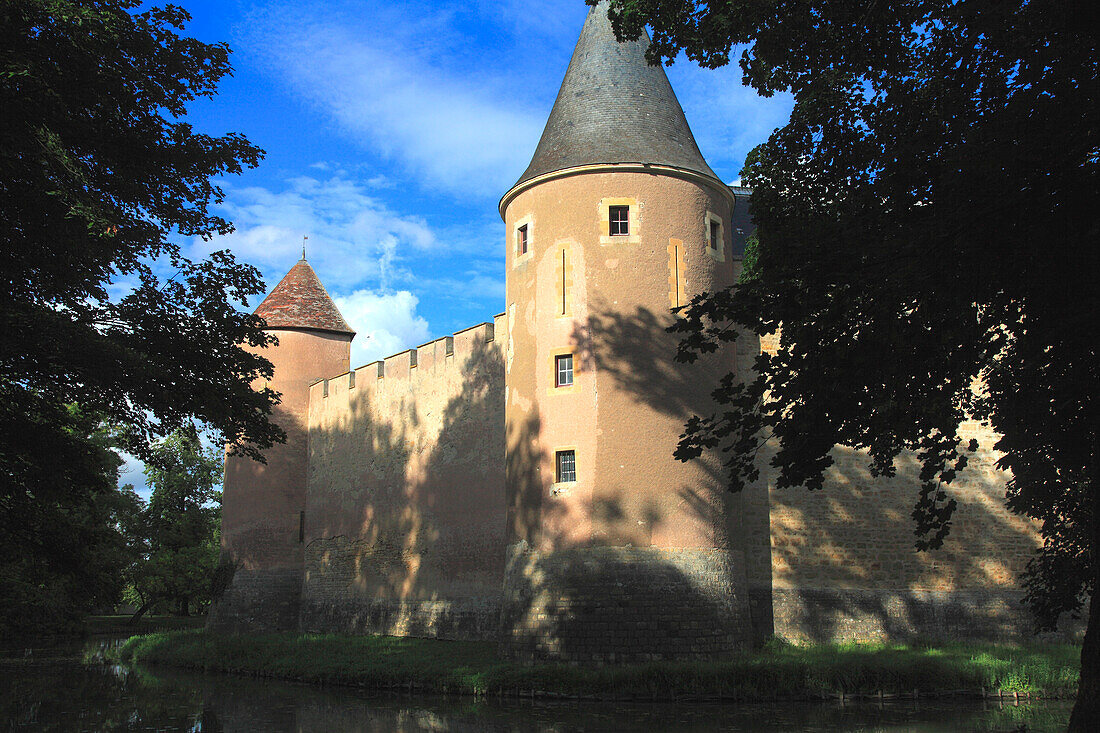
[845, 566]
[838, 564]
[523, 458]
[621, 590]
[621, 604]
[260, 566]
[406, 515]
[635, 349]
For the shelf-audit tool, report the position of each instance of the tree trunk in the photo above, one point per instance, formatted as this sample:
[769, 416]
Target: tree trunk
[1086, 711]
[139, 613]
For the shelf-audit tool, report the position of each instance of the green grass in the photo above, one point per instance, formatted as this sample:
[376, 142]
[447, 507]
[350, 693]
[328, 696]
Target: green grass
[778, 670]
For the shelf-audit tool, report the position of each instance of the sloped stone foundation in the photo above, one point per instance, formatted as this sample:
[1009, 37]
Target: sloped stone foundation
[259, 601]
[623, 604]
[899, 615]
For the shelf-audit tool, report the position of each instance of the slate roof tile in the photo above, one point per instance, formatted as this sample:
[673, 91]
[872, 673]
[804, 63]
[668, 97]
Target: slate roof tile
[613, 107]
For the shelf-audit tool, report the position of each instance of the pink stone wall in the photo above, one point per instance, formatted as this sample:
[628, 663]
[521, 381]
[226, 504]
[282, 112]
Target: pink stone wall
[405, 514]
[643, 549]
[262, 504]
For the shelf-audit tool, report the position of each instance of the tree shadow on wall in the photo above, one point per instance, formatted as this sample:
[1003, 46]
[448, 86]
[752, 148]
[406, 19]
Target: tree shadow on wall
[637, 352]
[838, 563]
[607, 592]
[406, 516]
[523, 461]
[260, 561]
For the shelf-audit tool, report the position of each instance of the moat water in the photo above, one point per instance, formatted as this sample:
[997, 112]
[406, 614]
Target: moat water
[64, 688]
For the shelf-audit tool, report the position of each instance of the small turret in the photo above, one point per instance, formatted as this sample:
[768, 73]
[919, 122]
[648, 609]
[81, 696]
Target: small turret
[263, 506]
[300, 302]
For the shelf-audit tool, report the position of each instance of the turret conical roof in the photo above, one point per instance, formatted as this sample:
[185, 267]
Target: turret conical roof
[301, 301]
[613, 107]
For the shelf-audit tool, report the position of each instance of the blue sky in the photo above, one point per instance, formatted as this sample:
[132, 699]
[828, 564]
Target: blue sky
[392, 129]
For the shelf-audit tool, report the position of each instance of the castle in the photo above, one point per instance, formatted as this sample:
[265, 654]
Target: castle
[516, 481]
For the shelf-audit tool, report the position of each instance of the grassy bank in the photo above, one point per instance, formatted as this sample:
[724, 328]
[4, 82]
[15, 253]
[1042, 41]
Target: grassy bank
[778, 670]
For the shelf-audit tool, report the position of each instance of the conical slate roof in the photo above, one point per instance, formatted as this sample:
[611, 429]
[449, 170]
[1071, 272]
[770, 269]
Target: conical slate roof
[301, 301]
[613, 107]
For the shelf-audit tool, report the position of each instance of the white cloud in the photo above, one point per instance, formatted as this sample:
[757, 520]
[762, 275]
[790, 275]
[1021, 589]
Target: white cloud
[456, 124]
[132, 472]
[385, 323]
[353, 237]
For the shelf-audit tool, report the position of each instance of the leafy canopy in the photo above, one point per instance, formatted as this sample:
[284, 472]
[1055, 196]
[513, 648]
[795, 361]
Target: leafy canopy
[65, 553]
[98, 170]
[100, 177]
[926, 240]
[177, 534]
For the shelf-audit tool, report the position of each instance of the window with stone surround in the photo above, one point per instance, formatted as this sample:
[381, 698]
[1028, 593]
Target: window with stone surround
[567, 466]
[619, 221]
[715, 240]
[563, 373]
[521, 240]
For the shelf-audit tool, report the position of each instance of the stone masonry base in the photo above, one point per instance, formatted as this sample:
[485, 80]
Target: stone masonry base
[451, 619]
[828, 614]
[623, 604]
[259, 601]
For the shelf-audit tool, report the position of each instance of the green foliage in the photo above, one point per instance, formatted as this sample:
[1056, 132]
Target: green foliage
[98, 171]
[933, 145]
[474, 668]
[750, 260]
[62, 547]
[178, 532]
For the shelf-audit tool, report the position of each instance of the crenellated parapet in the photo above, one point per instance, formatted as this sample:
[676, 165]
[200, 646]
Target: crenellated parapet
[448, 352]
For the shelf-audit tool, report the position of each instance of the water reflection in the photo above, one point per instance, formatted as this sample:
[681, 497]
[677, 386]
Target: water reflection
[66, 689]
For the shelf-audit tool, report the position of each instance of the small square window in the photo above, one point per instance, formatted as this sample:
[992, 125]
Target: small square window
[620, 220]
[567, 466]
[521, 240]
[564, 372]
[715, 234]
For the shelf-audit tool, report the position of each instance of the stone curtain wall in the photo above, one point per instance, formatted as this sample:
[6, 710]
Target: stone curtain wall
[405, 514]
[842, 564]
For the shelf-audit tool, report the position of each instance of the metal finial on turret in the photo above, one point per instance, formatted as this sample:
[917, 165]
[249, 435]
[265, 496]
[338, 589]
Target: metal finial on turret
[304, 247]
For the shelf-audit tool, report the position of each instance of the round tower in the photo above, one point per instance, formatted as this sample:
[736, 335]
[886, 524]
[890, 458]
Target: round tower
[263, 505]
[617, 550]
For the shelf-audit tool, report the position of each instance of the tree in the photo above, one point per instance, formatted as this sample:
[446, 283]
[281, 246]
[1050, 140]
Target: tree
[64, 553]
[925, 222]
[178, 532]
[100, 178]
